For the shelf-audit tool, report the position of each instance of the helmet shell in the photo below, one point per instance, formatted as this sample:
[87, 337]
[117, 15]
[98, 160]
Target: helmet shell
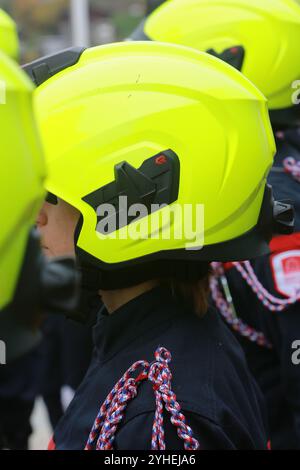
[268, 30]
[130, 101]
[22, 172]
[9, 43]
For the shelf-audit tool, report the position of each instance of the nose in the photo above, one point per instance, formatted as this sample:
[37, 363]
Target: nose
[41, 220]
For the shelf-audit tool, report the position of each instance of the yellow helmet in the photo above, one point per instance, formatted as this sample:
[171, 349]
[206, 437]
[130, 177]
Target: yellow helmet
[156, 124]
[22, 173]
[28, 283]
[8, 36]
[259, 37]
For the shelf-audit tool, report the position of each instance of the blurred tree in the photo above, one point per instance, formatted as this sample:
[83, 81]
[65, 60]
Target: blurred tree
[44, 25]
[39, 13]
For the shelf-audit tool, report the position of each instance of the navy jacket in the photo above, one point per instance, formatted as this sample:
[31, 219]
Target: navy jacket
[217, 394]
[279, 273]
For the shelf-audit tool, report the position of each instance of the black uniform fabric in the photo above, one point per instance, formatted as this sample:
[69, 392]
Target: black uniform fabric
[66, 353]
[277, 376]
[19, 386]
[62, 358]
[221, 401]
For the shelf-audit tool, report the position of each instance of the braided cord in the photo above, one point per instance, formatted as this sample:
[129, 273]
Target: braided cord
[124, 385]
[116, 414]
[161, 376]
[292, 167]
[274, 304]
[113, 409]
[228, 314]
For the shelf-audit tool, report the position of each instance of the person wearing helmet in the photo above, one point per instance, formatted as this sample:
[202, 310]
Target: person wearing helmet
[15, 83]
[261, 39]
[135, 134]
[28, 285]
[21, 189]
[21, 194]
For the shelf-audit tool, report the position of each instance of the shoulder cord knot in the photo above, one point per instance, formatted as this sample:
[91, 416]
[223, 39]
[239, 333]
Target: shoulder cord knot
[113, 409]
[292, 167]
[226, 309]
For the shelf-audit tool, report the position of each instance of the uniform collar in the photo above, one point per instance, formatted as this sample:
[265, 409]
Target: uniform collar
[132, 321]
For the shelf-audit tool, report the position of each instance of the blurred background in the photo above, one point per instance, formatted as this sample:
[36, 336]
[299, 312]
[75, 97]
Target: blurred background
[46, 26]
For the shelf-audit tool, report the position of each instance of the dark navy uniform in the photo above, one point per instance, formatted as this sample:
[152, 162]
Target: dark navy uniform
[279, 273]
[61, 359]
[218, 396]
[19, 387]
[66, 354]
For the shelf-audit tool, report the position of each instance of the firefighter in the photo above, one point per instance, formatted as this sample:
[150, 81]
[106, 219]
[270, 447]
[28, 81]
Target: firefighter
[134, 134]
[261, 39]
[29, 285]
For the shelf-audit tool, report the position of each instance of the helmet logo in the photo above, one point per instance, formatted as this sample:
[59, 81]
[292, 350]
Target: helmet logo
[296, 94]
[2, 353]
[161, 160]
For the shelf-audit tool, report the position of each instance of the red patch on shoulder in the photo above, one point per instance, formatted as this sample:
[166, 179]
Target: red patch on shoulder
[52, 445]
[286, 272]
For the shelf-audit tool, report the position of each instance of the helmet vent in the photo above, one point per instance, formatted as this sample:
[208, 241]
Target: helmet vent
[154, 184]
[42, 69]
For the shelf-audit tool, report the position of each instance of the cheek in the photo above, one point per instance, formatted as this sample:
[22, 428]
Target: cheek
[61, 238]
[68, 231]
[43, 229]
[58, 231]
[51, 239]
[57, 236]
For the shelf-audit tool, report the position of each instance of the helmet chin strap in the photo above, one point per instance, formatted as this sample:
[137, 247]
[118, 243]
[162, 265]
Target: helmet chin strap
[44, 287]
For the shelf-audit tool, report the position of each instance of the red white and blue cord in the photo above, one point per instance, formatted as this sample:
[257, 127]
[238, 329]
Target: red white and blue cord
[112, 411]
[225, 307]
[292, 167]
[272, 303]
